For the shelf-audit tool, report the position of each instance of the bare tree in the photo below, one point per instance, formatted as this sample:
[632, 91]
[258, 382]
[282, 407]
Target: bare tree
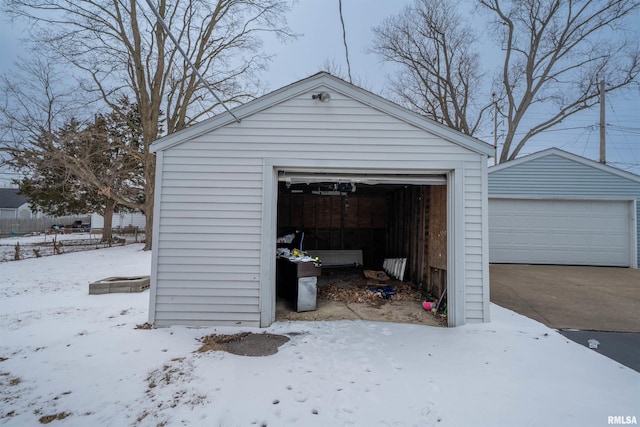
[334, 68]
[37, 97]
[119, 49]
[439, 74]
[555, 52]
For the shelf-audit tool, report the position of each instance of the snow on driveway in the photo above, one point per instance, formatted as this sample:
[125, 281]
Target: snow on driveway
[75, 359]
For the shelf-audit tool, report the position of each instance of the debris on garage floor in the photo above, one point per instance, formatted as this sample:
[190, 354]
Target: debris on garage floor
[353, 286]
[347, 294]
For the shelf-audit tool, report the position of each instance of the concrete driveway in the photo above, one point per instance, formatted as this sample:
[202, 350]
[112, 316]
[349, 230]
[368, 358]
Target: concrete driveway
[562, 297]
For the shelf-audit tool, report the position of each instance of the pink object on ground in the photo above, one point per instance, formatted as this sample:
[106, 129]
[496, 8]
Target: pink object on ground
[428, 305]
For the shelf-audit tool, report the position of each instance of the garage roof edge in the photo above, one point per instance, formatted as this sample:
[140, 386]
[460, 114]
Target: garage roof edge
[339, 85]
[568, 156]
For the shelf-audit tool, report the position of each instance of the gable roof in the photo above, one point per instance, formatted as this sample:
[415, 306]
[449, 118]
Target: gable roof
[10, 199]
[338, 85]
[566, 155]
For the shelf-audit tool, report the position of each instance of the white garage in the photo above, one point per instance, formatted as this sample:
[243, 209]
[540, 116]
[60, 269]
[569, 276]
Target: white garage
[356, 171]
[560, 231]
[554, 207]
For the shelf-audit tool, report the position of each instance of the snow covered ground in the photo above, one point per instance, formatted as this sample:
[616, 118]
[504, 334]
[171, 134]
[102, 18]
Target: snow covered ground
[78, 360]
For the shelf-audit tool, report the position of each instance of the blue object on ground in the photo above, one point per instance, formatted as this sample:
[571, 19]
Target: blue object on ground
[385, 291]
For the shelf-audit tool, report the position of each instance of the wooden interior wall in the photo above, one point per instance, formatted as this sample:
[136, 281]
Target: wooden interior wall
[337, 222]
[437, 241]
[422, 269]
[408, 230]
[407, 223]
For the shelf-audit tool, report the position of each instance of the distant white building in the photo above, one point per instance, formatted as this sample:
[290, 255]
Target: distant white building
[120, 220]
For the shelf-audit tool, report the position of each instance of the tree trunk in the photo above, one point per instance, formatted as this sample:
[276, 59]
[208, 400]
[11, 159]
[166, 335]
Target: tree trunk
[148, 229]
[108, 220]
[150, 178]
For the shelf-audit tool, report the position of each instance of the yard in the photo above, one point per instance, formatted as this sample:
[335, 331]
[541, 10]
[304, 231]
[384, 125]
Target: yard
[38, 245]
[70, 358]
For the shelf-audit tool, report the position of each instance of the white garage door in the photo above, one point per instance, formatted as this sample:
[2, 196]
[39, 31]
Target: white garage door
[571, 232]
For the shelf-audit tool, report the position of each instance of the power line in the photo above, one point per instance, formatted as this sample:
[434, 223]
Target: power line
[627, 167]
[623, 134]
[344, 40]
[626, 163]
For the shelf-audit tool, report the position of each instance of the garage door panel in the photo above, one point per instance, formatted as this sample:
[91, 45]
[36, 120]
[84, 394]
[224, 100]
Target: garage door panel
[573, 232]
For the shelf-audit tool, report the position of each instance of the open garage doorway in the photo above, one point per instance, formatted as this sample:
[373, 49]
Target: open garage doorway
[356, 225]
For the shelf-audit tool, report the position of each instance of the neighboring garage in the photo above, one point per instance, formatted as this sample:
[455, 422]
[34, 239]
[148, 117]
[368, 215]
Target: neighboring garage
[554, 207]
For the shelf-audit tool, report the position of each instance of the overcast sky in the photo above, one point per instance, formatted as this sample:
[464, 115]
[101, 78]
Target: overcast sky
[318, 23]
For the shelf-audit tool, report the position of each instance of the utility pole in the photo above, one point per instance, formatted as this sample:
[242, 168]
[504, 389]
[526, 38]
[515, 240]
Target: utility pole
[603, 148]
[495, 127]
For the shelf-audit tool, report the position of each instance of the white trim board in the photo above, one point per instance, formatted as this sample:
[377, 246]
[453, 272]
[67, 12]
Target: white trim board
[455, 227]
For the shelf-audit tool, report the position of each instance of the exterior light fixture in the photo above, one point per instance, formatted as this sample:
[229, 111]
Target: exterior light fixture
[322, 96]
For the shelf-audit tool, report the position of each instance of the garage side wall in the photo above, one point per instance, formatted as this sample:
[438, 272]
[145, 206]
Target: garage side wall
[210, 201]
[557, 176]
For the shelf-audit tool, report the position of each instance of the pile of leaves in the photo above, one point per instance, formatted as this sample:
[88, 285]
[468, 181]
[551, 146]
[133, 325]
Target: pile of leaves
[49, 418]
[216, 342]
[360, 291]
[145, 326]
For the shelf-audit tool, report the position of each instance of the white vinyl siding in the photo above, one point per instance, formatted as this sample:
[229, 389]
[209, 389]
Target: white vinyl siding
[209, 244]
[210, 200]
